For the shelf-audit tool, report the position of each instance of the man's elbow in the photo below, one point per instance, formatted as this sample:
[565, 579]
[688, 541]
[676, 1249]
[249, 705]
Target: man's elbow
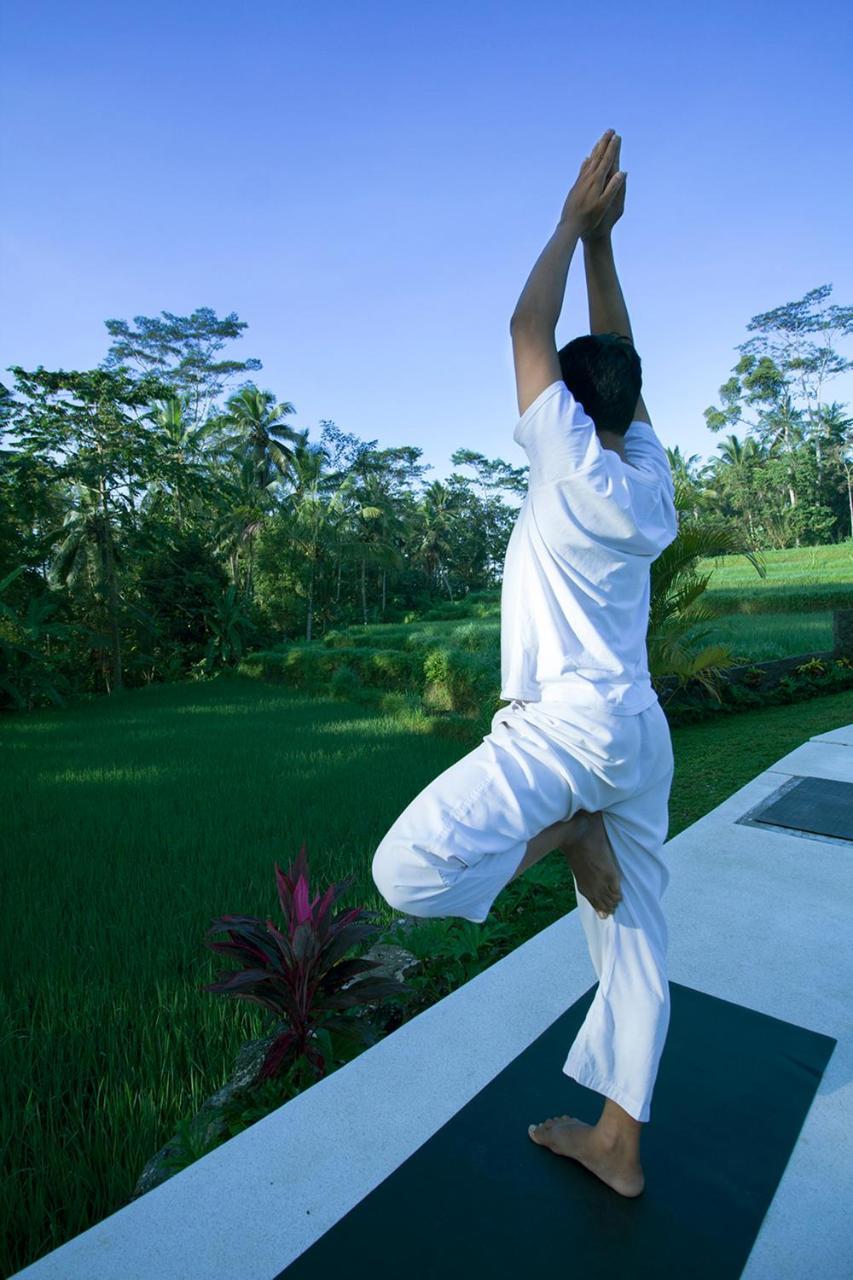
[528, 320]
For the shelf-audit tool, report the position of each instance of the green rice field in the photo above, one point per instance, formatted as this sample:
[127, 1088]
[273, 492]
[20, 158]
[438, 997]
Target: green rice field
[790, 567]
[762, 636]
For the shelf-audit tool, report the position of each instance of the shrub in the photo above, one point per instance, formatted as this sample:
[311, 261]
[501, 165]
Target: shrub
[813, 667]
[471, 636]
[299, 974]
[389, 668]
[344, 683]
[337, 640]
[302, 667]
[447, 611]
[467, 680]
[811, 678]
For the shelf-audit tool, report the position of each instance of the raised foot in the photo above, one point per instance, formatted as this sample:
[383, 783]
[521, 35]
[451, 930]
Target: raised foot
[593, 862]
[610, 1162]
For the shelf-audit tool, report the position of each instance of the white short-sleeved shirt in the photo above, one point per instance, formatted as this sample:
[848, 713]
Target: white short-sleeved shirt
[576, 583]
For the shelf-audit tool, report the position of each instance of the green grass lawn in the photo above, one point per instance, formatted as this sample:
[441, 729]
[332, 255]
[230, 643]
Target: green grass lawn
[131, 823]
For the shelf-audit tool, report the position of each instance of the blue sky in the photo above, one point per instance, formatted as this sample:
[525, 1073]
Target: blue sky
[369, 184]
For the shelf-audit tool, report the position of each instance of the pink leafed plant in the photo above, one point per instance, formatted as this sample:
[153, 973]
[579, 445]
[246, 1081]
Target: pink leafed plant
[299, 972]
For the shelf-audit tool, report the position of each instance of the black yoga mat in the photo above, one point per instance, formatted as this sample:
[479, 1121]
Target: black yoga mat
[480, 1198]
[820, 805]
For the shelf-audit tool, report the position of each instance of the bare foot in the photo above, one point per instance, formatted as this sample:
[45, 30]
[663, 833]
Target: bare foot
[609, 1160]
[593, 861]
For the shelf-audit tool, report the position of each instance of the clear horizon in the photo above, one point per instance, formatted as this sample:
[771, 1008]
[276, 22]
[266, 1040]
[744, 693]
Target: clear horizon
[369, 189]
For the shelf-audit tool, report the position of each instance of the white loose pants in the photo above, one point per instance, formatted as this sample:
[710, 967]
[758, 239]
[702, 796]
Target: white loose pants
[461, 840]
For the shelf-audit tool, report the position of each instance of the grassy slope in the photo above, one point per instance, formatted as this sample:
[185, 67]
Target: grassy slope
[761, 636]
[791, 566]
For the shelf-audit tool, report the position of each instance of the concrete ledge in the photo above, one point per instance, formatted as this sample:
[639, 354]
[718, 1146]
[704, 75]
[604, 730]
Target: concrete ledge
[757, 917]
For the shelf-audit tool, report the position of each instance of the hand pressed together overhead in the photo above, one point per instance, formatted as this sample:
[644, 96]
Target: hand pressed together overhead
[597, 199]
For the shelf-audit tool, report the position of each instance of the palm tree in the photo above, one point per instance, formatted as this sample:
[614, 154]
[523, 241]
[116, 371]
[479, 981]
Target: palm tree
[737, 462]
[260, 443]
[88, 554]
[183, 449]
[438, 506]
[225, 622]
[310, 516]
[254, 427]
[681, 466]
[782, 432]
[675, 646]
[836, 431]
[371, 526]
[246, 505]
[687, 471]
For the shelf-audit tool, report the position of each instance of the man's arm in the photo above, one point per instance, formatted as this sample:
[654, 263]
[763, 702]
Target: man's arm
[607, 310]
[532, 326]
[537, 311]
[608, 314]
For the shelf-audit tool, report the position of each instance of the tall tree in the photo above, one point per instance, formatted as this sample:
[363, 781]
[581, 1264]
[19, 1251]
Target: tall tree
[184, 460]
[839, 447]
[737, 469]
[256, 430]
[96, 422]
[310, 519]
[243, 506]
[438, 507]
[181, 351]
[780, 364]
[371, 528]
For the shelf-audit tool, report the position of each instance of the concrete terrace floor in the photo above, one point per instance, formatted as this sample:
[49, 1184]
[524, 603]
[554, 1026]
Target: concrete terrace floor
[769, 929]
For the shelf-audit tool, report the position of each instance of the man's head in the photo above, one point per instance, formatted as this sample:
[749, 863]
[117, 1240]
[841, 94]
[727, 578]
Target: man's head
[604, 374]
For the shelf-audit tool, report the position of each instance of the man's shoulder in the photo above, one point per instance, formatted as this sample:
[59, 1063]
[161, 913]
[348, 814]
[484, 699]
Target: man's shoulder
[645, 456]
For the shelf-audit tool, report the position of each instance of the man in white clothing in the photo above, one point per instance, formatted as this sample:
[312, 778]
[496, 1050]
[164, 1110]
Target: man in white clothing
[581, 760]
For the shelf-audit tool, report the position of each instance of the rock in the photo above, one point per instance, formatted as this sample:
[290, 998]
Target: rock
[403, 925]
[393, 962]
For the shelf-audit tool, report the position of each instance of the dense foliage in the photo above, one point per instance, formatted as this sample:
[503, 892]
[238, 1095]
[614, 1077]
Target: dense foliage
[154, 525]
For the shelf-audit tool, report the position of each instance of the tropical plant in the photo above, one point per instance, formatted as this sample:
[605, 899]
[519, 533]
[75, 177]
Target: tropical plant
[373, 525]
[27, 674]
[299, 973]
[184, 453]
[226, 621]
[256, 430]
[676, 640]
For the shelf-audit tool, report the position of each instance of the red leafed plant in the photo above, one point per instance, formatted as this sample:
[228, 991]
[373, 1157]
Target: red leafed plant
[299, 973]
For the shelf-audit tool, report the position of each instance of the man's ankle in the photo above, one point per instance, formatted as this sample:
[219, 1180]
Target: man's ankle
[616, 1127]
[576, 829]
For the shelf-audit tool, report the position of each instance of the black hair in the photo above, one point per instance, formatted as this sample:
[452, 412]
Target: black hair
[605, 376]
